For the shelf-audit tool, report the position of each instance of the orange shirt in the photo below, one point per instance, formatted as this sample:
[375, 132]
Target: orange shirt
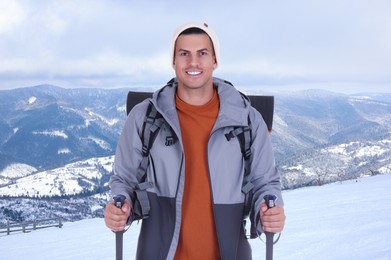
[197, 239]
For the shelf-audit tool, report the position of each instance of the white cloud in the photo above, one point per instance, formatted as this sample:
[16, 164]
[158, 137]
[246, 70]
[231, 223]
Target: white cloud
[111, 43]
[55, 23]
[11, 14]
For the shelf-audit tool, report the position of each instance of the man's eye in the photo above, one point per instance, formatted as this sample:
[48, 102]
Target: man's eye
[183, 54]
[202, 53]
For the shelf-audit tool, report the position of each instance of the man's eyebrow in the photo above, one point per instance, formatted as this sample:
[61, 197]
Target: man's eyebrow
[201, 50]
[204, 49]
[183, 50]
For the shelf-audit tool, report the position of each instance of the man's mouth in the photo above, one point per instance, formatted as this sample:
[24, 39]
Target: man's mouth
[193, 73]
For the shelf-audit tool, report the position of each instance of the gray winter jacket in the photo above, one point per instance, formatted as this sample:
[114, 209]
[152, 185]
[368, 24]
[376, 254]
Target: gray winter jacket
[160, 232]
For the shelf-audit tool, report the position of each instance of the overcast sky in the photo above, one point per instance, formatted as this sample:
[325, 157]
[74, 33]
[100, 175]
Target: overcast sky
[339, 45]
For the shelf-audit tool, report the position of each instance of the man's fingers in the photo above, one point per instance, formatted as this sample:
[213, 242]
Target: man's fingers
[116, 218]
[273, 225]
[115, 223]
[273, 219]
[272, 229]
[272, 211]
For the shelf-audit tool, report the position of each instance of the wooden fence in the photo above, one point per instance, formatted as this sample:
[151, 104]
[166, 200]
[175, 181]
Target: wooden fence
[28, 226]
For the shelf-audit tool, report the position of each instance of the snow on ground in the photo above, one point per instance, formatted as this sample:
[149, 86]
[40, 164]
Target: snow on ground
[53, 133]
[347, 220]
[17, 170]
[60, 181]
[32, 100]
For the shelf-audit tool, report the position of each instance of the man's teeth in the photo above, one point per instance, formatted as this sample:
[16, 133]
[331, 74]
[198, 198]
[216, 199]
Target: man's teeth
[194, 72]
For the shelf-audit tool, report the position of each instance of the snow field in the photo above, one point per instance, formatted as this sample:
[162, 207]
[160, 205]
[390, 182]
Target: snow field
[348, 220]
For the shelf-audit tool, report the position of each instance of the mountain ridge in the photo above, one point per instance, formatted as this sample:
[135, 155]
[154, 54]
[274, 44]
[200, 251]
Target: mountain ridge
[57, 145]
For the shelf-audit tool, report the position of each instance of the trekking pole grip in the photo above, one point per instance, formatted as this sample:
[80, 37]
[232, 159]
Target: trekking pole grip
[270, 201]
[119, 200]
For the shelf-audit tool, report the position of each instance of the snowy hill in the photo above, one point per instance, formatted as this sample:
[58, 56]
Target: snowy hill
[337, 162]
[339, 221]
[14, 171]
[73, 179]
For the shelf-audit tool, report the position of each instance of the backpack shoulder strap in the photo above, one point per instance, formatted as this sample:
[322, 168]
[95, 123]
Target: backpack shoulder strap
[152, 124]
[244, 136]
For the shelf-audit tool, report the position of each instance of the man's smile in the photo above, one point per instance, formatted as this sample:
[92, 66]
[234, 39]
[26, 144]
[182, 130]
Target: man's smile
[193, 73]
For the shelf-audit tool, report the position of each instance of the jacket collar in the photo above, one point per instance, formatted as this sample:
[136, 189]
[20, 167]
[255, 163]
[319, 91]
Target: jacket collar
[234, 106]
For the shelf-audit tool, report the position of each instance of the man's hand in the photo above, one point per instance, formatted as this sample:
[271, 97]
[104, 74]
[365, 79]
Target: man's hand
[273, 219]
[116, 218]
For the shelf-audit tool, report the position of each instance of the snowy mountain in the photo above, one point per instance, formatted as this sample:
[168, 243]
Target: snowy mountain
[348, 220]
[57, 144]
[321, 136]
[47, 127]
[313, 118]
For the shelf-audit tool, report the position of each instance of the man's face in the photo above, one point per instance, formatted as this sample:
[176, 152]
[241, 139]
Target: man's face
[194, 61]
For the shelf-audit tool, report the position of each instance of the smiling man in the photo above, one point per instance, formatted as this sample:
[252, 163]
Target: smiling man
[194, 174]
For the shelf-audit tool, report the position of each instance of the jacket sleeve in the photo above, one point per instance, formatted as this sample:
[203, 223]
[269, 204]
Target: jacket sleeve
[264, 173]
[128, 155]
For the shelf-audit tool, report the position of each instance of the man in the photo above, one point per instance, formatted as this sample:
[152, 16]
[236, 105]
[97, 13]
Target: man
[196, 202]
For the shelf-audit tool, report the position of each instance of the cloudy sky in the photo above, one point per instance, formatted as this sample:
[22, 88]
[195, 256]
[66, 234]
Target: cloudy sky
[339, 45]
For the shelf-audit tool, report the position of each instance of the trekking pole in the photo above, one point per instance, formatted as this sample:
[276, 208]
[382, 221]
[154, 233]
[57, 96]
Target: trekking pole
[270, 202]
[118, 202]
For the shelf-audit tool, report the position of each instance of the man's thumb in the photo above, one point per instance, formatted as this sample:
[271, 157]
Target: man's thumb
[126, 207]
[263, 207]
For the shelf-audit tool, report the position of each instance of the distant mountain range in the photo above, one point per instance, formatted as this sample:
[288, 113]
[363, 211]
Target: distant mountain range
[48, 127]
[57, 142]
[312, 125]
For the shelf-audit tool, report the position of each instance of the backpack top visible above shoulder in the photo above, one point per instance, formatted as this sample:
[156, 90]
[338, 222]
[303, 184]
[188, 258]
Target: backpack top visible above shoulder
[134, 98]
[264, 104]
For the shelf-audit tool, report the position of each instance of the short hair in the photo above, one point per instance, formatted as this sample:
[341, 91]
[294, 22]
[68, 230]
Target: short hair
[193, 30]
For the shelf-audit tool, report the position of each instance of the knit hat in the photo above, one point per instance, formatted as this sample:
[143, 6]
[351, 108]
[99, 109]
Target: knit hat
[203, 26]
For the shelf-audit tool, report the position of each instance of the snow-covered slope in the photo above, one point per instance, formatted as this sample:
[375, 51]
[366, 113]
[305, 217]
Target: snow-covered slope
[13, 171]
[348, 220]
[72, 179]
[337, 162]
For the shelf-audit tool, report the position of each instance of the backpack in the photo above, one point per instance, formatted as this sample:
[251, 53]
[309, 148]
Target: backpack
[151, 126]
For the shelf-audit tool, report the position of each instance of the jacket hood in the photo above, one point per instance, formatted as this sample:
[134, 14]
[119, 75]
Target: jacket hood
[234, 106]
